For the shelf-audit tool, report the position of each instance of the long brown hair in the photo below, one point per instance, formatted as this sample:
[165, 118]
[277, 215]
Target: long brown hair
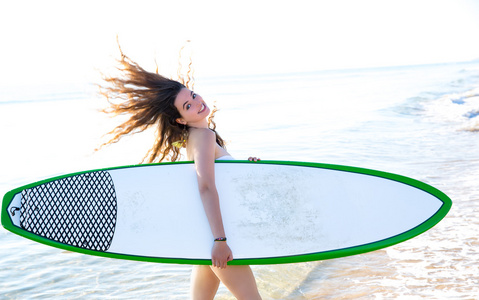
[148, 98]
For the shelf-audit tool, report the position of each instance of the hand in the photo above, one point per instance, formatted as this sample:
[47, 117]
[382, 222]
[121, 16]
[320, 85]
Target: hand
[255, 159]
[221, 255]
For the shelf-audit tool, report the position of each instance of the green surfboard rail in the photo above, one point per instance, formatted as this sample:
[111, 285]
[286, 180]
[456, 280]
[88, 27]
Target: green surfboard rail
[426, 225]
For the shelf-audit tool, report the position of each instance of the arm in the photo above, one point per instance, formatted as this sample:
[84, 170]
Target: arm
[202, 145]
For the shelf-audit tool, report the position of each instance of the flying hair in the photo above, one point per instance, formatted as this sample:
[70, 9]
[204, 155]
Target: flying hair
[148, 99]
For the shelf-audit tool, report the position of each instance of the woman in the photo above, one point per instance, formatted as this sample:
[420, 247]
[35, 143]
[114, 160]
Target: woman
[181, 119]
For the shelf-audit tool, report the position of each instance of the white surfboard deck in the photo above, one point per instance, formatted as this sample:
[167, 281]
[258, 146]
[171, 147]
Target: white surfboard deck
[273, 212]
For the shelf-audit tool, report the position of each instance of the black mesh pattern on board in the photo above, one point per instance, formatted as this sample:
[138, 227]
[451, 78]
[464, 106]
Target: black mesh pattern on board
[79, 211]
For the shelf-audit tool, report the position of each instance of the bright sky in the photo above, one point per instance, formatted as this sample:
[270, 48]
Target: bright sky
[51, 41]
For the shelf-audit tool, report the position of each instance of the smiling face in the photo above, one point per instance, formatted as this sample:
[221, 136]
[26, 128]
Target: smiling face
[192, 108]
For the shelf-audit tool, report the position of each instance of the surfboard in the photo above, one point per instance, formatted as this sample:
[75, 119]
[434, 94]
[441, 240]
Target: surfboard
[273, 211]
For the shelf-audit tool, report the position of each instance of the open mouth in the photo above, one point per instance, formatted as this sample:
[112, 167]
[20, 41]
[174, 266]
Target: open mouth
[203, 107]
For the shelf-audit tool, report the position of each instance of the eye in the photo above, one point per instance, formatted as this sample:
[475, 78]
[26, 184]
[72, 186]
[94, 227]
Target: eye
[188, 106]
[194, 96]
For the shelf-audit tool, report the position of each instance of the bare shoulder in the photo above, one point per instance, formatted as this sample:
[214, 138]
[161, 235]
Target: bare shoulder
[201, 144]
[201, 135]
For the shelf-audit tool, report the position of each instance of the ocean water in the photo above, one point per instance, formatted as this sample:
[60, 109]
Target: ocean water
[417, 121]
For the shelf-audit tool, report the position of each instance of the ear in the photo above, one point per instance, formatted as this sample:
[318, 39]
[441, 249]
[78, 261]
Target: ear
[180, 121]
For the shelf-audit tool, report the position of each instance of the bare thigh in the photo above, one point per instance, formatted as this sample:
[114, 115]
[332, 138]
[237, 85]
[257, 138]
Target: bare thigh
[204, 283]
[239, 280]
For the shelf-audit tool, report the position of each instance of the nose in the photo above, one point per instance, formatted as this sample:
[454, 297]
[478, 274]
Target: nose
[198, 100]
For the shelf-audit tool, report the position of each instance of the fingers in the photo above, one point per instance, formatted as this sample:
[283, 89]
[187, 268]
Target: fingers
[221, 263]
[220, 255]
[255, 159]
